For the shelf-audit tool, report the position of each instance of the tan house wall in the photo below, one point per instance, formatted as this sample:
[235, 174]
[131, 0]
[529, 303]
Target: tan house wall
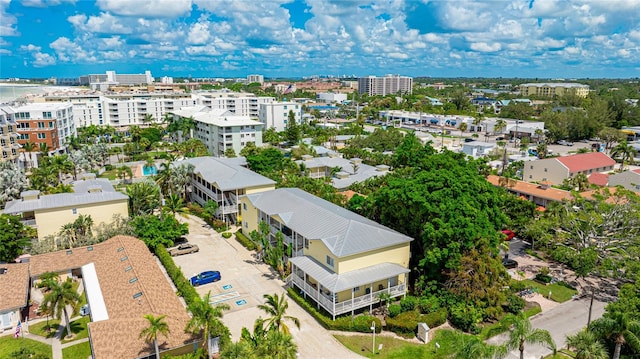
[256, 189]
[549, 170]
[319, 252]
[50, 221]
[249, 215]
[627, 179]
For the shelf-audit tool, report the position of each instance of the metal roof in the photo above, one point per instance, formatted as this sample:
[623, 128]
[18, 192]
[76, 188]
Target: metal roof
[339, 282]
[61, 200]
[342, 231]
[226, 173]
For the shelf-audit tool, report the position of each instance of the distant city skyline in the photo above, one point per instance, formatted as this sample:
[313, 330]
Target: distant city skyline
[296, 38]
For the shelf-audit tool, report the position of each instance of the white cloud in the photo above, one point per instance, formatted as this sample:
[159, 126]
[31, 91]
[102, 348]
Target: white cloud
[45, 3]
[42, 59]
[150, 8]
[484, 47]
[69, 51]
[199, 33]
[104, 23]
[30, 48]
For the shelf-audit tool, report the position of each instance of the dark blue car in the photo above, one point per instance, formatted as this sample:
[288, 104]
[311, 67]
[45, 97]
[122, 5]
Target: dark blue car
[205, 277]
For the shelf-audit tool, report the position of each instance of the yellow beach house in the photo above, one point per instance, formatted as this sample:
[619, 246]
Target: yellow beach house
[48, 213]
[341, 260]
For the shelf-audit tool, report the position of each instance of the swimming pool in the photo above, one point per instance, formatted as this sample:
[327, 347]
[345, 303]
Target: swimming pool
[149, 170]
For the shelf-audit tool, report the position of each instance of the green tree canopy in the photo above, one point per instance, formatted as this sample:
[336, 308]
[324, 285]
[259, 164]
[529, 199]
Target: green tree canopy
[14, 237]
[155, 230]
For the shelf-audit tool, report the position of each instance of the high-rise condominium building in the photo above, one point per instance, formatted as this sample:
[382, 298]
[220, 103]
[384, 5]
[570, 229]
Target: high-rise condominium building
[44, 123]
[255, 78]
[8, 134]
[390, 84]
[276, 114]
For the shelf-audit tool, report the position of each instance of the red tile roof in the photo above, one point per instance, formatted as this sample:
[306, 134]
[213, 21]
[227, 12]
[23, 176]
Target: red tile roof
[532, 189]
[586, 161]
[600, 179]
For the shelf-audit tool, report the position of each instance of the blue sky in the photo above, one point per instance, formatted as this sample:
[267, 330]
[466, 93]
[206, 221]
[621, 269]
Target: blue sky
[292, 38]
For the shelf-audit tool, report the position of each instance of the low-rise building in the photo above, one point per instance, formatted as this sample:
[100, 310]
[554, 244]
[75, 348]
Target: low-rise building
[540, 194]
[331, 97]
[221, 130]
[339, 259]
[342, 172]
[556, 170]
[239, 103]
[9, 135]
[477, 149]
[276, 114]
[48, 213]
[123, 282]
[554, 89]
[627, 179]
[14, 281]
[224, 180]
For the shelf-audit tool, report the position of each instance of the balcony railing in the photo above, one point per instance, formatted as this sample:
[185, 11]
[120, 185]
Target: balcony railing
[29, 222]
[348, 305]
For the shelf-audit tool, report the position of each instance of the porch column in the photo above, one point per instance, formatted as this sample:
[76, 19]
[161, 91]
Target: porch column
[404, 295]
[334, 297]
[318, 300]
[352, 290]
[389, 285]
[371, 300]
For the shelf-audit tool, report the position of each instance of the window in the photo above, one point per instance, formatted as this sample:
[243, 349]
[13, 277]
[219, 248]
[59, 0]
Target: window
[330, 261]
[42, 136]
[531, 167]
[74, 210]
[51, 124]
[246, 224]
[40, 124]
[306, 243]
[356, 289]
[46, 115]
[244, 206]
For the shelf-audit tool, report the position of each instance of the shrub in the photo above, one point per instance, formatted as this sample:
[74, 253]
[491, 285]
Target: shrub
[543, 278]
[246, 242]
[465, 317]
[226, 234]
[183, 286]
[406, 323]
[218, 225]
[408, 303]
[515, 304]
[360, 323]
[108, 167]
[517, 286]
[195, 209]
[394, 310]
[429, 304]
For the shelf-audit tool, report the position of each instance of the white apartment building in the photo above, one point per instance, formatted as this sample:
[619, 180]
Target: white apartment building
[241, 104]
[255, 78]
[120, 110]
[276, 114]
[8, 135]
[221, 129]
[331, 97]
[390, 84]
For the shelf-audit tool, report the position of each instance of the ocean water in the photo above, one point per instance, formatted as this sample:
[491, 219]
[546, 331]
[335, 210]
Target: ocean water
[10, 93]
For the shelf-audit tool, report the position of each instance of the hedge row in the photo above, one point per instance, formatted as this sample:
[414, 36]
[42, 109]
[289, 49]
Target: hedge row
[184, 287]
[360, 323]
[246, 242]
[406, 323]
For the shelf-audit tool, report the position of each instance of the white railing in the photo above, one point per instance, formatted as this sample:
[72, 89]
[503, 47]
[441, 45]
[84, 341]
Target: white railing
[347, 305]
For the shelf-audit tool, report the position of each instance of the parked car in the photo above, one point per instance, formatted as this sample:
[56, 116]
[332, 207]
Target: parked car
[183, 249]
[509, 263]
[84, 311]
[469, 139]
[565, 143]
[509, 234]
[205, 278]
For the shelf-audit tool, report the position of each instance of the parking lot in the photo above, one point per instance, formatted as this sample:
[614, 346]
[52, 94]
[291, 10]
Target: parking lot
[243, 284]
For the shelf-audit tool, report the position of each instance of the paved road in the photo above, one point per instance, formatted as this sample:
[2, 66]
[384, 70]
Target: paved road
[242, 286]
[565, 319]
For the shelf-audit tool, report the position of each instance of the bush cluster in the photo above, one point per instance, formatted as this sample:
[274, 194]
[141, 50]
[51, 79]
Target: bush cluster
[394, 310]
[406, 323]
[184, 287]
[246, 242]
[515, 304]
[360, 323]
[466, 317]
[226, 235]
[543, 278]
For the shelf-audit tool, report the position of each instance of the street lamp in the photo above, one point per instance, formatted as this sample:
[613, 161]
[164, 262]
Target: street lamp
[373, 330]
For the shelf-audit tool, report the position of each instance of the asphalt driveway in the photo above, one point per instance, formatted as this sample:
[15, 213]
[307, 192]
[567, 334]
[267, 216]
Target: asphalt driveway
[243, 284]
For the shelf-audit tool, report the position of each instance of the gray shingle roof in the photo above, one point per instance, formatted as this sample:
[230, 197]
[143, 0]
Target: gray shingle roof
[342, 231]
[339, 282]
[226, 173]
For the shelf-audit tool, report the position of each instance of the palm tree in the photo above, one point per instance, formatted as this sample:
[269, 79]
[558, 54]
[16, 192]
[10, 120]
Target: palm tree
[587, 346]
[384, 298]
[205, 317]
[277, 345]
[174, 204]
[59, 297]
[499, 126]
[28, 148]
[522, 333]
[239, 350]
[147, 119]
[62, 164]
[619, 327]
[276, 306]
[157, 325]
[625, 151]
[144, 198]
[471, 346]
[186, 125]
[44, 149]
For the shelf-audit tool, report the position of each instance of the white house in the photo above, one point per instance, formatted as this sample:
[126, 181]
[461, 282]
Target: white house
[276, 114]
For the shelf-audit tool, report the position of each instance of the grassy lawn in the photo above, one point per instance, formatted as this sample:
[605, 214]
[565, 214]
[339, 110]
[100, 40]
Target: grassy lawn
[79, 328]
[399, 349]
[494, 329]
[41, 328]
[9, 344]
[78, 351]
[111, 175]
[559, 292]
